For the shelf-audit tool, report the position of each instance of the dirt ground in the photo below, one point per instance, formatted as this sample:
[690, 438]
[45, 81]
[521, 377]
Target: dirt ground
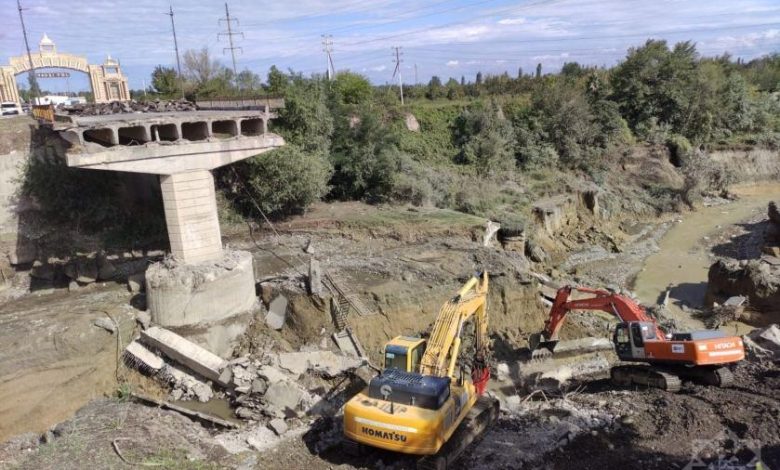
[402, 271]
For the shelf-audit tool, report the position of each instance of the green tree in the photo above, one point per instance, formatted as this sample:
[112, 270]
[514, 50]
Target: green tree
[306, 120]
[435, 89]
[277, 81]
[164, 80]
[485, 139]
[248, 82]
[286, 180]
[539, 70]
[352, 88]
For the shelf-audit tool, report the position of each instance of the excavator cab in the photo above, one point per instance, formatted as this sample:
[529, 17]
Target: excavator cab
[404, 353]
[630, 338]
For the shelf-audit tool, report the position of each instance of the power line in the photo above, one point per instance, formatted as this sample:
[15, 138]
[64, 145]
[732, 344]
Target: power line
[31, 73]
[327, 46]
[229, 22]
[176, 48]
[397, 71]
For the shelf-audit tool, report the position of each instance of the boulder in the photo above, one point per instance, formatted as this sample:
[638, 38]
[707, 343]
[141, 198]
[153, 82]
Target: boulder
[277, 313]
[282, 399]
[278, 426]
[768, 338]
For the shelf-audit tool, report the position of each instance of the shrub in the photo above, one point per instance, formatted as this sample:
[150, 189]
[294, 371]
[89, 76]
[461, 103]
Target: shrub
[285, 181]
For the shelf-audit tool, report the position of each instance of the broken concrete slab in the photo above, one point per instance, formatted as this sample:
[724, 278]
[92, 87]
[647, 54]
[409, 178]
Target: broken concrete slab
[142, 358]
[282, 399]
[768, 338]
[315, 278]
[277, 313]
[327, 363]
[278, 426]
[186, 383]
[185, 352]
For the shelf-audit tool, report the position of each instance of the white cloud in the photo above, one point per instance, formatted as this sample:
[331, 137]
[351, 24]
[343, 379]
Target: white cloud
[512, 21]
[452, 63]
[379, 68]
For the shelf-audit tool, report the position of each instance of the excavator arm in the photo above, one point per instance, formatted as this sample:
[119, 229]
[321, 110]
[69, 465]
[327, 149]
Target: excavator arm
[622, 307]
[441, 353]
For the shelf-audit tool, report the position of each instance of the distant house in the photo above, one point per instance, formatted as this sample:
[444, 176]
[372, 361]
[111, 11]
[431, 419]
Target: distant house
[53, 99]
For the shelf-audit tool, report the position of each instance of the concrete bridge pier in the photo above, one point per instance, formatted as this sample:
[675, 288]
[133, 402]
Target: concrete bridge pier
[202, 290]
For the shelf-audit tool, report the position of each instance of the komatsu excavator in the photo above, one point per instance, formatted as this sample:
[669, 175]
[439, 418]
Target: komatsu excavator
[428, 400]
[698, 355]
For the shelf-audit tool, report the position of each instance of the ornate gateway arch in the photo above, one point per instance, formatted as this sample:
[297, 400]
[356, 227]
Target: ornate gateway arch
[107, 80]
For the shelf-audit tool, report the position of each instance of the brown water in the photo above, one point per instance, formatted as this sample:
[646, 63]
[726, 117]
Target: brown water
[684, 259]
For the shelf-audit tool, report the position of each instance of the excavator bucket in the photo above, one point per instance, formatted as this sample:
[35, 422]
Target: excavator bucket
[540, 347]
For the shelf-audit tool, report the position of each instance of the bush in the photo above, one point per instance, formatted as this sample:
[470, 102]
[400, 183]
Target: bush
[285, 181]
[680, 149]
[485, 139]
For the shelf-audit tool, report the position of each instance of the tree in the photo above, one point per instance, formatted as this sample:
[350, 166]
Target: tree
[248, 81]
[435, 89]
[485, 139]
[277, 81]
[164, 80]
[462, 80]
[538, 70]
[479, 78]
[199, 67]
[286, 180]
[571, 69]
[352, 88]
[35, 89]
[306, 120]
[454, 90]
[519, 72]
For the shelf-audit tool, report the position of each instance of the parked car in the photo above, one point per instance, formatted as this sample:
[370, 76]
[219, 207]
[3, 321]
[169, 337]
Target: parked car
[8, 108]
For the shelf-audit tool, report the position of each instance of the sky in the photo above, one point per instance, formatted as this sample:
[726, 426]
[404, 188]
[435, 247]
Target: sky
[444, 38]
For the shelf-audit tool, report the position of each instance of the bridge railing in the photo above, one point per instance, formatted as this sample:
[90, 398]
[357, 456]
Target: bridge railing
[265, 104]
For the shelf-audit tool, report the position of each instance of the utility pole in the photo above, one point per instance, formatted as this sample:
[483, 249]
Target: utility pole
[327, 47]
[33, 81]
[229, 22]
[397, 71]
[176, 47]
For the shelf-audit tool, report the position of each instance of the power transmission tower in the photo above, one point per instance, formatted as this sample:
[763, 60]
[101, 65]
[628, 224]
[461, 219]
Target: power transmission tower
[176, 48]
[397, 71]
[33, 80]
[230, 33]
[327, 47]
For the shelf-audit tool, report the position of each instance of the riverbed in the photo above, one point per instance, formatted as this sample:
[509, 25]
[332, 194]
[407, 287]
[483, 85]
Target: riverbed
[682, 262]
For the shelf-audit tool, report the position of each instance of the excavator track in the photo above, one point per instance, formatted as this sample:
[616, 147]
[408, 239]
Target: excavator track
[477, 421]
[713, 376]
[624, 376]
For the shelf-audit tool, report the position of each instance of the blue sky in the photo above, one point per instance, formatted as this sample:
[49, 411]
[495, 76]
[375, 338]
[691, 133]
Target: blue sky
[445, 38]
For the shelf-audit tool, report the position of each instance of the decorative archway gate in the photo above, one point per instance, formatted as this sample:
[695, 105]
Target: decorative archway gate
[107, 80]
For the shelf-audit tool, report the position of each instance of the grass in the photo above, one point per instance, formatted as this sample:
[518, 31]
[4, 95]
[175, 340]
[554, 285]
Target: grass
[389, 217]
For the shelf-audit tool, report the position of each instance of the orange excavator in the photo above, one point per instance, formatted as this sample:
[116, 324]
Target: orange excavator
[669, 357]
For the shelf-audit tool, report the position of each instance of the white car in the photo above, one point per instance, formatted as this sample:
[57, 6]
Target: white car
[9, 108]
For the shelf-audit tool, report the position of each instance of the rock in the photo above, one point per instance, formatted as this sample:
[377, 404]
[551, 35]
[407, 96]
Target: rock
[144, 319]
[502, 372]
[309, 250]
[282, 399]
[87, 271]
[266, 292]
[106, 269]
[277, 313]
[491, 228]
[259, 386]
[315, 278]
[771, 250]
[73, 286]
[278, 426]
[411, 122]
[226, 376]
[536, 253]
[176, 394]
[42, 271]
[767, 338]
[105, 323]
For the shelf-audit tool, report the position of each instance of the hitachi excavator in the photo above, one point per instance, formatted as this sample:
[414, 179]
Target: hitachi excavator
[428, 400]
[698, 355]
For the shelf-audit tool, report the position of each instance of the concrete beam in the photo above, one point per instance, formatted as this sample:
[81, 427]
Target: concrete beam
[175, 158]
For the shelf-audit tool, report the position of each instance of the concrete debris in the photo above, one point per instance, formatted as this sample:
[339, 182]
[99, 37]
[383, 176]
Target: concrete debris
[491, 228]
[278, 426]
[309, 250]
[83, 270]
[277, 313]
[144, 319]
[767, 338]
[105, 323]
[502, 372]
[126, 107]
[142, 358]
[73, 286]
[282, 399]
[187, 385]
[42, 271]
[185, 352]
[326, 363]
[315, 278]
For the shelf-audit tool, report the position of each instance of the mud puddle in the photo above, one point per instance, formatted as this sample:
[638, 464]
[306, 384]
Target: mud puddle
[683, 260]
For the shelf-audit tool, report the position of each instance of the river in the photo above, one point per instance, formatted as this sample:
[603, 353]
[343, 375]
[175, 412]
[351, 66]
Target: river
[684, 257]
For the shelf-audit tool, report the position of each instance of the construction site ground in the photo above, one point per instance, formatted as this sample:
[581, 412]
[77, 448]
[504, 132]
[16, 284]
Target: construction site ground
[403, 263]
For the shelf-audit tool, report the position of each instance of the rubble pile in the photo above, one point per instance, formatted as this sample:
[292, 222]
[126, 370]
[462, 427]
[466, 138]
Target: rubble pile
[127, 107]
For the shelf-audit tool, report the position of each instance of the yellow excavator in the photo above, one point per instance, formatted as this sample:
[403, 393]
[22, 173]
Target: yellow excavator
[429, 399]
